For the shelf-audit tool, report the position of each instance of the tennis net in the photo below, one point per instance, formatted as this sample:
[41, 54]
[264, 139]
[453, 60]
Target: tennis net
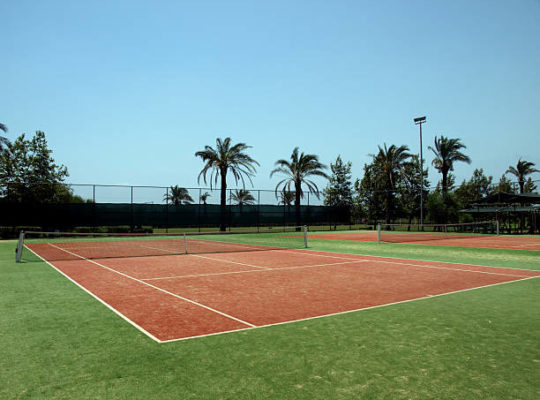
[57, 246]
[403, 233]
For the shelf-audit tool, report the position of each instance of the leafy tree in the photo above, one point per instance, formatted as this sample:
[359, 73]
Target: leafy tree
[530, 186]
[223, 159]
[28, 172]
[391, 161]
[4, 141]
[520, 171]
[505, 185]
[370, 194]
[442, 208]
[478, 187]
[447, 152]
[450, 183]
[410, 186]
[178, 196]
[338, 193]
[242, 197]
[297, 171]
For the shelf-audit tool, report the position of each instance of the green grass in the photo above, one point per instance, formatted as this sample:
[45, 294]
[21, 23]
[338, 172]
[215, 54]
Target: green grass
[57, 342]
[524, 259]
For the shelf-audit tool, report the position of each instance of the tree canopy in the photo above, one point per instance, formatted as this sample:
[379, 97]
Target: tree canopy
[298, 172]
[4, 141]
[447, 152]
[472, 191]
[338, 193]
[29, 173]
[242, 196]
[390, 162]
[178, 196]
[221, 160]
[520, 171]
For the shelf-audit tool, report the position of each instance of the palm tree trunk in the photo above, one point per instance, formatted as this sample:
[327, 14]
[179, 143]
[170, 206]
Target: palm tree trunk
[521, 216]
[223, 208]
[297, 204]
[444, 180]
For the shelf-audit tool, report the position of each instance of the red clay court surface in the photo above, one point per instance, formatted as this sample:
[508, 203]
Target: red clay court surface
[490, 242]
[183, 296]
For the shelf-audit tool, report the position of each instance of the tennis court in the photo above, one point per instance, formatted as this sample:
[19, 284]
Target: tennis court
[218, 286]
[437, 239]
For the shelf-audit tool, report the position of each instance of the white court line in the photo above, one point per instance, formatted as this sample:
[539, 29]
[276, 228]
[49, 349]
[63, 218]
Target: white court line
[350, 311]
[231, 262]
[157, 288]
[451, 269]
[279, 323]
[114, 310]
[381, 261]
[341, 258]
[251, 270]
[311, 251]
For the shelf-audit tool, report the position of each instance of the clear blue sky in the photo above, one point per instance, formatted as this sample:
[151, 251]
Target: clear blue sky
[128, 91]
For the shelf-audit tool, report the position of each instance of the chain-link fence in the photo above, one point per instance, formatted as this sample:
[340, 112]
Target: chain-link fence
[93, 207]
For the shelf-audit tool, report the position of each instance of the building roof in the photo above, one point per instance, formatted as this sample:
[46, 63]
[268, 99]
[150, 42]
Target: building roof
[511, 198]
[501, 209]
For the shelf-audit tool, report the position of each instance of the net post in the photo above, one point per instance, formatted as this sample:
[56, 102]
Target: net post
[378, 233]
[498, 227]
[20, 247]
[185, 243]
[305, 236]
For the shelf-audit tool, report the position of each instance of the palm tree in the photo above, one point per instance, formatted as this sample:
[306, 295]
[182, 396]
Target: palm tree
[447, 152]
[391, 161]
[297, 171]
[286, 198]
[178, 196]
[522, 169]
[205, 197]
[4, 141]
[242, 197]
[224, 158]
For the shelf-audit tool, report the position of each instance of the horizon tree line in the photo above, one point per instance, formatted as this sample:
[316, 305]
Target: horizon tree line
[390, 182]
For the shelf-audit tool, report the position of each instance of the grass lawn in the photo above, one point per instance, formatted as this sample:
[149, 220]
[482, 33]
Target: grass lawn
[58, 342]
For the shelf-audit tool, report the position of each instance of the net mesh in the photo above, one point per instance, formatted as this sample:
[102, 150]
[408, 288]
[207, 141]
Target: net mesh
[54, 246]
[403, 233]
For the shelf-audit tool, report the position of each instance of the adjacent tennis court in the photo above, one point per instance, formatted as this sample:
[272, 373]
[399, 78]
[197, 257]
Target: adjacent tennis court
[178, 288]
[439, 239]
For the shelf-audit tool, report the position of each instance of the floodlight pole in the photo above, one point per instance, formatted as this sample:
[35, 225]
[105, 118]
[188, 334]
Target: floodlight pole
[420, 121]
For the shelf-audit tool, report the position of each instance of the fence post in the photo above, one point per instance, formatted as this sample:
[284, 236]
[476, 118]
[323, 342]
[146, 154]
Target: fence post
[132, 211]
[167, 209]
[20, 247]
[230, 209]
[378, 233]
[199, 211]
[258, 209]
